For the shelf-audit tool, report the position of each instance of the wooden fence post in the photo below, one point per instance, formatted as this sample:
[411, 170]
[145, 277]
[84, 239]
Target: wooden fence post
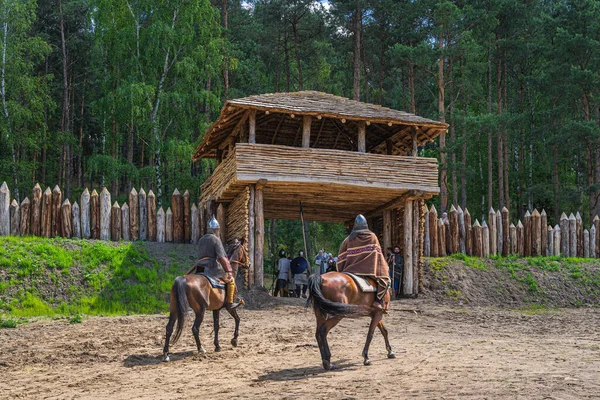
[24, 227]
[493, 242]
[177, 206]
[151, 209]
[160, 225]
[500, 232]
[426, 238]
[461, 231]
[105, 214]
[125, 230]
[513, 239]
[544, 227]
[520, 239]
[447, 237]
[169, 225]
[134, 232]
[187, 219]
[572, 236]
[15, 218]
[35, 224]
[505, 234]
[564, 235]
[4, 210]
[95, 215]
[76, 220]
[441, 239]
[596, 222]
[477, 239]
[143, 220]
[433, 232]
[46, 221]
[195, 234]
[85, 214]
[468, 233]
[66, 217]
[454, 233]
[592, 241]
[557, 240]
[549, 241]
[579, 229]
[56, 230]
[115, 226]
[536, 233]
[485, 240]
[527, 233]
[586, 243]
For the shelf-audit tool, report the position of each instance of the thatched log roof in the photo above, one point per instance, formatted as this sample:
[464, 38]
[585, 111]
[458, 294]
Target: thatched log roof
[279, 122]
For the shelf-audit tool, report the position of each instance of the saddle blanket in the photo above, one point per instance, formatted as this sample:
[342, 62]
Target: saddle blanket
[363, 283]
[215, 283]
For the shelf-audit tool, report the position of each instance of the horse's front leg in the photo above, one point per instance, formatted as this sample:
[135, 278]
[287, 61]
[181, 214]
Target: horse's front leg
[236, 317]
[170, 324]
[384, 332]
[216, 315]
[196, 329]
[374, 322]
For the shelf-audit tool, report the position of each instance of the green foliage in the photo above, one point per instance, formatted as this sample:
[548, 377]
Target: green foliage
[473, 262]
[75, 319]
[8, 323]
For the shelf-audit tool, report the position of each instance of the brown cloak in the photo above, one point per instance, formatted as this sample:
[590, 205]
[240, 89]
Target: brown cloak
[361, 254]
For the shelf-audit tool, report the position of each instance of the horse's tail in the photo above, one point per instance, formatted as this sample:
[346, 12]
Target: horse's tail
[331, 308]
[181, 305]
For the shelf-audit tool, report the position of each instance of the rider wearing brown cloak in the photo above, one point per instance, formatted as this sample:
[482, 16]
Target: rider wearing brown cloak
[361, 254]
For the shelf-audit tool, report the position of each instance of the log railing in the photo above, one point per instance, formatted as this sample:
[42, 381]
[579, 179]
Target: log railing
[458, 233]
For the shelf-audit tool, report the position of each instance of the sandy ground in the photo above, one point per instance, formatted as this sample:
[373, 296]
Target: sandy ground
[442, 353]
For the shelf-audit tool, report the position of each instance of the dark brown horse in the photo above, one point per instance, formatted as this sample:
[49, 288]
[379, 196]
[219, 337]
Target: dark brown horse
[335, 296]
[195, 291]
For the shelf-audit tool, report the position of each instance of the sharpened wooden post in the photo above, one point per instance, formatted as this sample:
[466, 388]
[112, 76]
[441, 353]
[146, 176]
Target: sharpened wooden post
[536, 233]
[513, 239]
[125, 222]
[251, 127]
[493, 221]
[134, 232]
[160, 225]
[520, 239]
[66, 225]
[426, 237]
[24, 227]
[505, 234]
[201, 220]
[527, 233]
[76, 220]
[195, 235]
[550, 241]
[143, 209]
[56, 230]
[592, 240]
[572, 236]
[151, 209]
[105, 212]
[306, 122]
[115, 226]
[15, 218]
[579, 230]
[46, 221]
[596, 223]
[586, 243]
[500, 232]
[35, 221]
[4, 210]
[177, 206]
[544, 228]
[485, 240]
[407, 284]
[441, 239]
[259, 235]
[86, 232]
[447, 237]
[462, 232]
[454, 246]
[95, 214]
[433, 232]
[477, 239]
[468, 233]
[564, 235]
[169, 225]
[557, 240]
[362, 142]
[187, 219]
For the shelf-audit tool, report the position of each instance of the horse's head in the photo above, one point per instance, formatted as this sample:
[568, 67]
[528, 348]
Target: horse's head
[238, 255]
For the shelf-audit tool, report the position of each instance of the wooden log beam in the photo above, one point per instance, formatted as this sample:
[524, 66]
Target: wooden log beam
[306, 123]
[56, 230]
[134, 232]
[66, 219]
[15, 218]
[251, 233]
[105, 214]
[125, 222]
[362, 141]
[259, 236]
[151, 210]
[143, 218]
[4, 210]
[24, 226]
[85, 214]
[35, 224]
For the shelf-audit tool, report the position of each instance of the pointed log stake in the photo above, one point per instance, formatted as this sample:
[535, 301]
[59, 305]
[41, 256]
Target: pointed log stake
[187, 219]
[485, 240]
[572, 236]
[433, 232]
[564, 235]
[151, 201]
[125, 222]
[134, 232]
[477, 239]
[15, 218]
[76, 220]
[493, 222]
[56, 230]
[4, 210]
[454, 232]
[505, 234]
[549, 241]
[513, 238]
[527, 233]
[536, 233]
[387, 223]
[65, 213]
[586, 243]
[94, 215]
[500, 232]
[160, 225]
[441, 238]
[448, 237]
[520, 239]
[596, 223]
[143, 219]
[35, 221]
[86, 231]
[24, 228]
[195, 235]
[115, 222]
[46, 222]
[177, 204]
[105, 214]
[468, 233]
[557, 240]
[169, 225]
[461, 231]
[592, 241]
[544, 228]
[579, 230]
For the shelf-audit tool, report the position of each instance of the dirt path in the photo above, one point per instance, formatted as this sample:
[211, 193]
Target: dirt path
[442, 353]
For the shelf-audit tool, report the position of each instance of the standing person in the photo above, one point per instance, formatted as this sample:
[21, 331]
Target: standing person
[283, 266]
[396, 261]
[300, 269]
[320, 260]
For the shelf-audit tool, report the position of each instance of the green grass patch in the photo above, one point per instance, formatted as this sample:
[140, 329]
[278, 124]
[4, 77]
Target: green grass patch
[473, 262]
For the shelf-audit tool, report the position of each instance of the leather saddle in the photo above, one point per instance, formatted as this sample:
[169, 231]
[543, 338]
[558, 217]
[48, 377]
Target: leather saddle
[363, 284]
[214, 282]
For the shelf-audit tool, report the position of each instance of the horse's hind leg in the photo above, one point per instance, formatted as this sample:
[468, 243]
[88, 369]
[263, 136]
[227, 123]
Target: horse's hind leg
[196, 329]
[384, 332]
[323, 328]
[170, 324]
[216, 315]
[375, 319]
[236, 317]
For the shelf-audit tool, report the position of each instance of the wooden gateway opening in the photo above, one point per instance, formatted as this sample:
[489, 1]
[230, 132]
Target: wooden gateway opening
[339, 157]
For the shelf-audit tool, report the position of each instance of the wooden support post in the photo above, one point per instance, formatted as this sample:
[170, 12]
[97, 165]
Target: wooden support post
[549, 241]
[468, 233]
[362, 142]
[46, 222]
[66, 218]
[564, 235]
[433, 232]
[485, 240]
[195, 220]
[76, 220]
[416, 245]
[493, 231]
[259, 235]
[25, 218]
[505, 234]
[35, 222]
[426, 237]
[177, 205]
[15, 218]
[454, 239]
[134, 232]
[527, 233]
[4, 210]
[557, 240]
[85, 214]
[536, 233]
[441, 238]
[572, 236]
[251, 127]
[187, 218]
[251, 232]
[407, 284]
[125, 222]
[211, 211]
[462, 247]
[160, 225]
[169, 225]
[56, 230]
[544, 227]
[387, 230]
[586, 243]
[115, 223]
[143, 219]
[500, 233]
[513, 239]
[306, 122]
[201, 219]
[520, 239]
[579, 227]
[105, 216]
[592, 240]
[596, 223]
[151, 209]
[94, 215]
[477, 239]
[447, 237]
[415, 147]
[222, 218]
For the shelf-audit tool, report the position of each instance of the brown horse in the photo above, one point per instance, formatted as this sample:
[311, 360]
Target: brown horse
[334, 296]
[195, 291]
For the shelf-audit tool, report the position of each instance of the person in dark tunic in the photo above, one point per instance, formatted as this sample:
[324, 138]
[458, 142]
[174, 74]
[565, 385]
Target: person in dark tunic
[213, 261]
[300, 269]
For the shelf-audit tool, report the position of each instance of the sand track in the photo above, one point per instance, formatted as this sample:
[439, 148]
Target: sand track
[441, 353]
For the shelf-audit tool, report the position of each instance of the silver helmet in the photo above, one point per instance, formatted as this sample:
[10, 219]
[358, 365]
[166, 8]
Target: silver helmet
[213, 224]
[360, 223]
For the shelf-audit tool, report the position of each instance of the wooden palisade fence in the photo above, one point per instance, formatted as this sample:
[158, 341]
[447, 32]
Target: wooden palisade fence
[497, 236]
[47, 214]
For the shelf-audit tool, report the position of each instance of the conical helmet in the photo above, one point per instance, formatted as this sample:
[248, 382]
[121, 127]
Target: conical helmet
[360, 223]
[213, 224]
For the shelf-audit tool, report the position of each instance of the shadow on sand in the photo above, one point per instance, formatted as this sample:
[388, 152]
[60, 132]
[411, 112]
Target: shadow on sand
[293, 374]
[136, 360]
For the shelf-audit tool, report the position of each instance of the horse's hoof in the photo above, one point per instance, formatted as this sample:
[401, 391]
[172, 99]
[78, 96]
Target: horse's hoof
[201, 350]
[166, 358]
[218, 348]
[391, 355]
[367, 362]
[234, 342]
[326, 365]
